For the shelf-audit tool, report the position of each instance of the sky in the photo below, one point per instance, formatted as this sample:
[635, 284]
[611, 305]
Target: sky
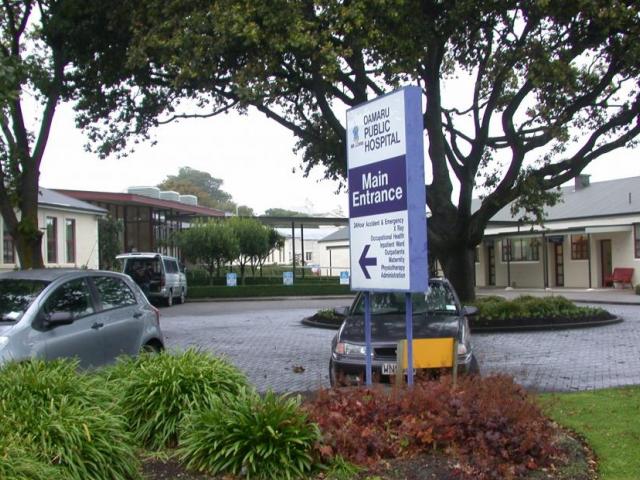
[250, 153]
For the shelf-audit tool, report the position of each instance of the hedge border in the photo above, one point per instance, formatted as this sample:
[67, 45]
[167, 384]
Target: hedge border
[245, 291]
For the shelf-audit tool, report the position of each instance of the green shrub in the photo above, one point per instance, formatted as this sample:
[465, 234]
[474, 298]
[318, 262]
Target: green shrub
[262, 438]
[64, 418]
[530, 307]
[329, 314]
[16, 463]
[198, 277]
[157, 391]
[638, 289]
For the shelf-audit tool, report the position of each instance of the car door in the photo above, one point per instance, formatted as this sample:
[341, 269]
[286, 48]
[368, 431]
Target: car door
[122, 316]
[172, 275]
[81, 338]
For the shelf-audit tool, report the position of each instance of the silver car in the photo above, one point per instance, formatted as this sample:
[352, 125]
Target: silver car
[95, 316]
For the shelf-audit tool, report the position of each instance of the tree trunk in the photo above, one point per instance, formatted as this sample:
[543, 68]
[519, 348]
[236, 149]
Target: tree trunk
[28, 241]
[458, 263]
[210, 269]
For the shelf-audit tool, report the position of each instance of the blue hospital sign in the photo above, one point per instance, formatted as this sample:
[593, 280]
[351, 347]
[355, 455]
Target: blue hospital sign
[387, 219]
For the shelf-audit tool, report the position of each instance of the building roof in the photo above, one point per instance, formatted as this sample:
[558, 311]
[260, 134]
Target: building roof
[309, 233]
[599, 199]
[52, 198]
[337, 236]
[285, 222]
[141, 200]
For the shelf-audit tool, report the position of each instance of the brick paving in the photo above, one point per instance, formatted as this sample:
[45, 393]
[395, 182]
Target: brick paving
[568, 360]
[266, 340]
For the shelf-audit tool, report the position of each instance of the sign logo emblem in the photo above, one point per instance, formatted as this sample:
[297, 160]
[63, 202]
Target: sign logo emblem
[355, 134]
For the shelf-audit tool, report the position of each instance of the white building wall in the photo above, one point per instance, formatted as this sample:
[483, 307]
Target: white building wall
[576, 271]
[87, 254]
[522, 274]
[334, 257]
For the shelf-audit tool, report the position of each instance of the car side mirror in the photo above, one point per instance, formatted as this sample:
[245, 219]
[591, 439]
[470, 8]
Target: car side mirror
[58, 318]
[470, 311]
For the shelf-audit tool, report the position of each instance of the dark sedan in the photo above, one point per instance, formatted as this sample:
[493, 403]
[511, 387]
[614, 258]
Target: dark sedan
[438, 314]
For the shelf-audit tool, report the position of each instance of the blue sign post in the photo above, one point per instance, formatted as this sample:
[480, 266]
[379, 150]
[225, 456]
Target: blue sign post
[387, 212]
[232, 280]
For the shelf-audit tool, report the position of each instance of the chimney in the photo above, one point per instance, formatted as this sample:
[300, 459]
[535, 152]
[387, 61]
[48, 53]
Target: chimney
[581, 182]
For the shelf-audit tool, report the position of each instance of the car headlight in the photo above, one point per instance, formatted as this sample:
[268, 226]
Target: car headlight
[344, 348]
[3, 342]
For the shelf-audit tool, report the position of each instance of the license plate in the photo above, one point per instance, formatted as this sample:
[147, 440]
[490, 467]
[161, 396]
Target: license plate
[390, 369]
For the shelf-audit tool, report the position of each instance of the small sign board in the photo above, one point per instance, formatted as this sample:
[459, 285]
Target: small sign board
[232, 280]
[287, 278]
[344, 278]
[387, 202]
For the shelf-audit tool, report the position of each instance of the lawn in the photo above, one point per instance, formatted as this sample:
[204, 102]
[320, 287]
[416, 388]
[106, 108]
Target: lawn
[609, 420]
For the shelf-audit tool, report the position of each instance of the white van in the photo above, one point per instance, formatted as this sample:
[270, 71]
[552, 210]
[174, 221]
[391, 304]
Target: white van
[159, 276]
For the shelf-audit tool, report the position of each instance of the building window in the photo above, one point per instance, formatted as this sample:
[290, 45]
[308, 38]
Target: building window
[636, 237]
[579, 247]
[70, 238]
[521, 249]
[9, 253]
[307, 256]
[52, 240]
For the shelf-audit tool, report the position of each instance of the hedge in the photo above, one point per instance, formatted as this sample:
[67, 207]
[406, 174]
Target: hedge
[242, 291]
[201, 278]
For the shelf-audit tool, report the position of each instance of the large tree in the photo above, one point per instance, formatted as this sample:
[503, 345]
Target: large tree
[34, 68]
[42, 46]
[550, 86]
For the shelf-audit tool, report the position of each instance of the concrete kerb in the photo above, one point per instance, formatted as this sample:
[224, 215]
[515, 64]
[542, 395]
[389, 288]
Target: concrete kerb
[577, 296]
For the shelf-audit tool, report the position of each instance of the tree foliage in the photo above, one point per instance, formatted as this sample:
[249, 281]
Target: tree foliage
[548, 87]
[283, 212]
[211, 244]
[207, 188]
[253, 239]
[109, 231]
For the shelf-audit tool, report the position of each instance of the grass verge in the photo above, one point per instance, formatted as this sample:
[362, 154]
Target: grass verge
[609, 420]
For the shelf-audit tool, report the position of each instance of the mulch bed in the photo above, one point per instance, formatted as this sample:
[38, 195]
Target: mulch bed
[579, 466]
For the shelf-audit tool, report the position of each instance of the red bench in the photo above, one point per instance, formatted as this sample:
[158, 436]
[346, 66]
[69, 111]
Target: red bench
[619, 275]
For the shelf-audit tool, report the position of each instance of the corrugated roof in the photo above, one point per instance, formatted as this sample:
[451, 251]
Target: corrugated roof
[607, 198]
[133, 199]
[56, 199]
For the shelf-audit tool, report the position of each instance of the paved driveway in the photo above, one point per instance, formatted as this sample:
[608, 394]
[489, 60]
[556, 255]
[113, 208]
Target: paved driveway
[267, 341]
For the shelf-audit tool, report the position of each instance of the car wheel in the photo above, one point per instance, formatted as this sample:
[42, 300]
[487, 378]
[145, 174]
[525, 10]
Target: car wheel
[170, 298]
[182, 296]
[150, 348]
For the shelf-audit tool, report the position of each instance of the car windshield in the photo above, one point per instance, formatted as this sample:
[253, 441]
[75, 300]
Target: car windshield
[439, 299]
[16, 295]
